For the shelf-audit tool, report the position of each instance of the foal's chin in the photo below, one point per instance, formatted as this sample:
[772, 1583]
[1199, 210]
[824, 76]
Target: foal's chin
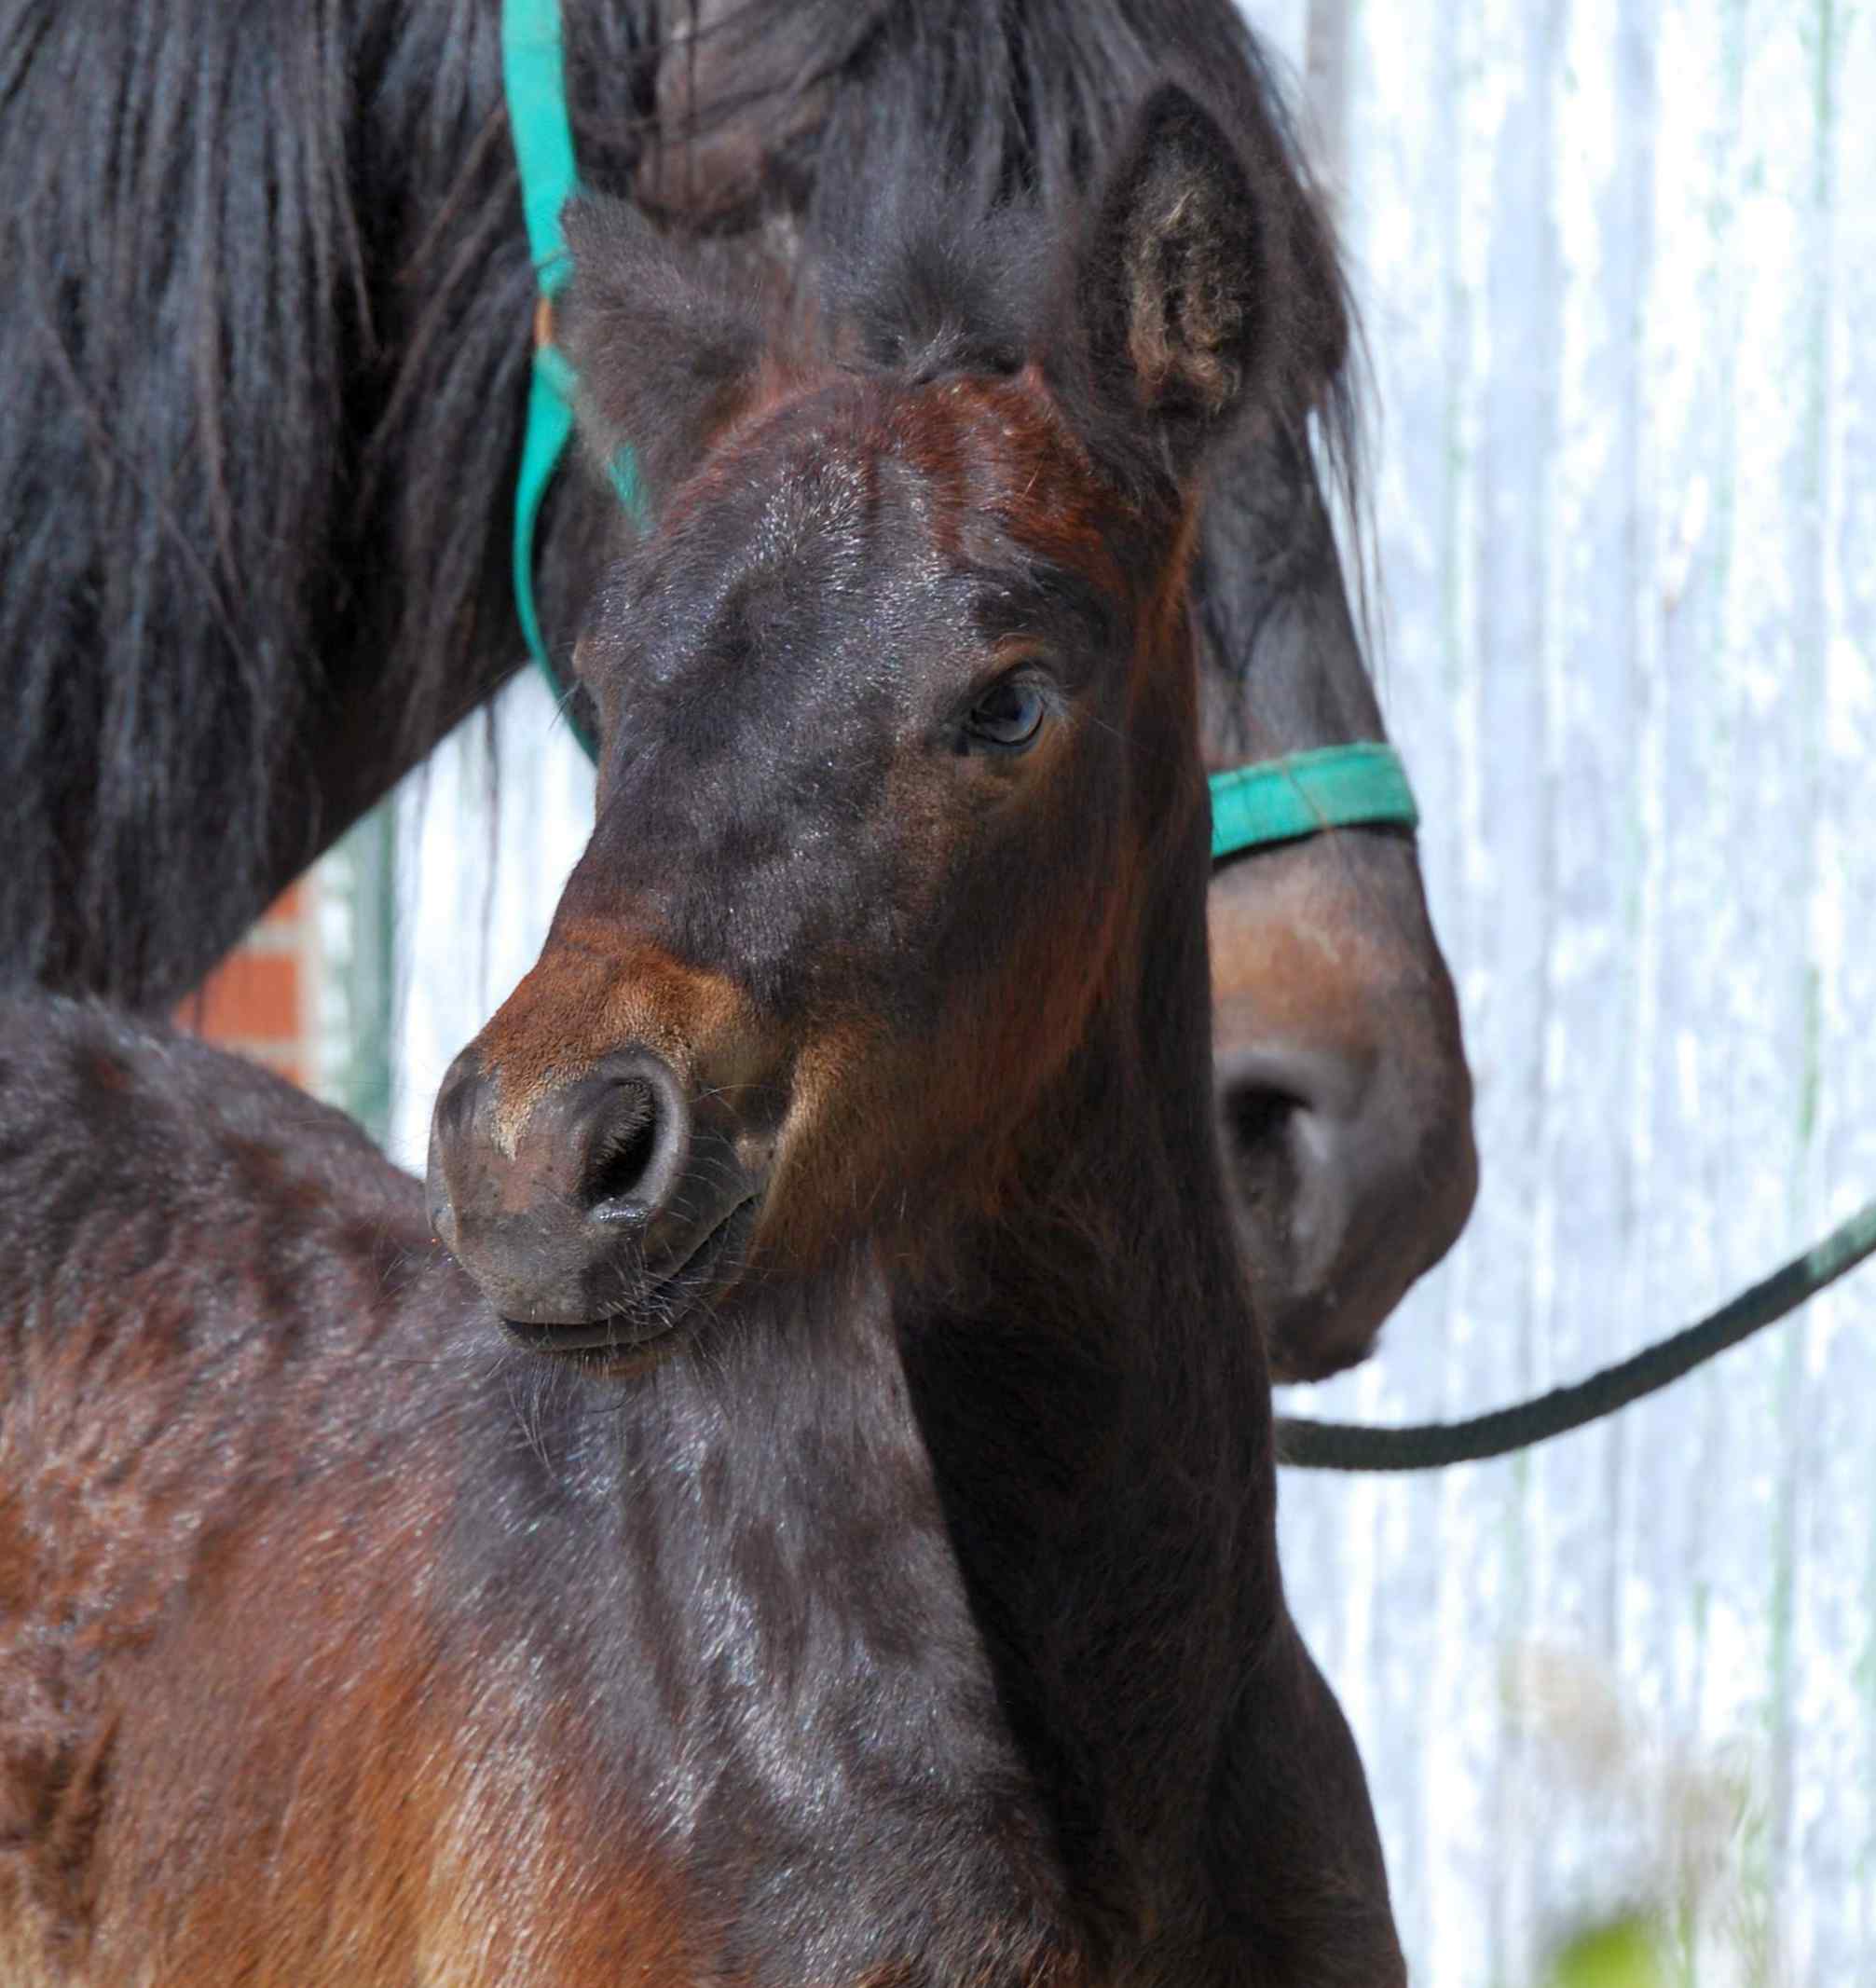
[661, 1310]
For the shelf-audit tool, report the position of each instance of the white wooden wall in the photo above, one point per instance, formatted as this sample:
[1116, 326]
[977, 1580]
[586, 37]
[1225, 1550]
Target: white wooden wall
[1617, 260]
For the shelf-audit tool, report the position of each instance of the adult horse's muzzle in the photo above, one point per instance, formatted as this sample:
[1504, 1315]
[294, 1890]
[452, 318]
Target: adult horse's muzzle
[598, 1212]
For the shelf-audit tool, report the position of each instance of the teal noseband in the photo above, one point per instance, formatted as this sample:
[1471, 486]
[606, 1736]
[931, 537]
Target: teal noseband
[1360, 785]
[1274, 800]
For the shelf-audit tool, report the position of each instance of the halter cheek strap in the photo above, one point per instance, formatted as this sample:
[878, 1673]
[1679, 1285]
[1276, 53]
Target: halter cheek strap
[533, 76]
[1275, 800]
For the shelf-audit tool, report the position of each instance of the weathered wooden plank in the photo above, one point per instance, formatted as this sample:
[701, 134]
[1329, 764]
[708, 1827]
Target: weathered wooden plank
[485, 847]
[1829, 1875]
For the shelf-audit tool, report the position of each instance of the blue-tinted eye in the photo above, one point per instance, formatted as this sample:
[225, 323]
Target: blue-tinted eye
[1008, 714]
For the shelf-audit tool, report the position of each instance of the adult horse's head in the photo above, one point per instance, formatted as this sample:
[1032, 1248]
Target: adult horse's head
[900, 792]
[1344, 1096]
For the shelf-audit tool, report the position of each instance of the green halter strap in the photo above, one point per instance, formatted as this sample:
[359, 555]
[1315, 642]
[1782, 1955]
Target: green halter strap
[1275, 800]
[534, 78]
[1332, 787]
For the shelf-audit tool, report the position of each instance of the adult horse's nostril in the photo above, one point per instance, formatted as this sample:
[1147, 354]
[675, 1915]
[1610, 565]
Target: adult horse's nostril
[1289, 1122]
[1327, 1151]
[1284, 1094]
[1254, 1118]
[1322, 1081]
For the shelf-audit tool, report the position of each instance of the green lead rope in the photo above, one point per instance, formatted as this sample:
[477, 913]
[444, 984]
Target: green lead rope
[1277, 800]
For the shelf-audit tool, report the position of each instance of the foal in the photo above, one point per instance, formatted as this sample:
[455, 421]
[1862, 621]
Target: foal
[877, 1582]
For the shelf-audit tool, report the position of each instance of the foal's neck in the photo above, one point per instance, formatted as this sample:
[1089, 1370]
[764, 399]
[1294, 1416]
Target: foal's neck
[1092, 1392]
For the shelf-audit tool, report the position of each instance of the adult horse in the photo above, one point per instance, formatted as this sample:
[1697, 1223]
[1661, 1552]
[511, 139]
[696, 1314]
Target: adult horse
[879, 1583]
[265, 328]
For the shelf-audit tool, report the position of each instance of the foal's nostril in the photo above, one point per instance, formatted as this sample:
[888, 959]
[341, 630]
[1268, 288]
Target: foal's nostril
[623, 1152]
[615, 1140]
[452, 1129]
[551, 1203]
[458, 1097]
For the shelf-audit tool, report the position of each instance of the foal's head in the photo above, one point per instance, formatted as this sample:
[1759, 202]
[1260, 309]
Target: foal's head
[899, 749]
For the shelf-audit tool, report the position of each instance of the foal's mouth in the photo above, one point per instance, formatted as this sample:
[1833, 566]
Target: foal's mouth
[667, 1305]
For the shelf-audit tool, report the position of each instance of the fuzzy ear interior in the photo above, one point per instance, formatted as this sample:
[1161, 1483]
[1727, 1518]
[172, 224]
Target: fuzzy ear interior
[1169, 287]
[665, 350]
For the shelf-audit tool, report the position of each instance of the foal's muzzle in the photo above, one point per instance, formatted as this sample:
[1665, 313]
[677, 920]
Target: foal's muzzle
[598, 1213]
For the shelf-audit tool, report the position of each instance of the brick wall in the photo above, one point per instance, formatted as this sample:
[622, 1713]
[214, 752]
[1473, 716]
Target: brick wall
[262, 1000]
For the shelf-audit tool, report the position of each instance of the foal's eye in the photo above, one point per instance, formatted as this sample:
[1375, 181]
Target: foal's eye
[1009, 714]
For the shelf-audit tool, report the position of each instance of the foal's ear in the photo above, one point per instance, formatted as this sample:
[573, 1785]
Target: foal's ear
[1169, 289]
[665, 355]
